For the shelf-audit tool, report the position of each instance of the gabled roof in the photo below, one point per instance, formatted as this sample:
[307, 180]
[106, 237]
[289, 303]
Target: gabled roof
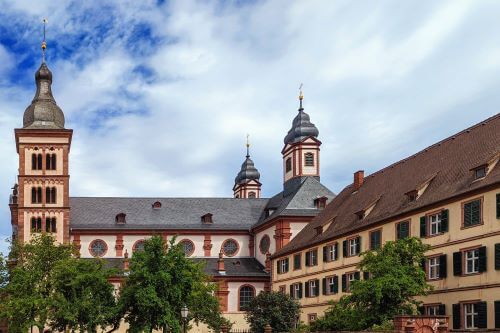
[298, 201]
[447, 164]
[175, 213]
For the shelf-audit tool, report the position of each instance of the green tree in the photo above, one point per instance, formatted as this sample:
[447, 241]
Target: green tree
[83, 297]
[161, 281]
[274, 308]
[396, 277]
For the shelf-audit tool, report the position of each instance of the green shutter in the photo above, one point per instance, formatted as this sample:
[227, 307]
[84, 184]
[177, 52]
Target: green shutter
[308, 259]
[482, 259]
[358, 246]
[356, 276]
[300, 290]
[336, 245]
[344, 248]
[442, 310]
[482, 315]
[366, 275]
[457, 263]
[456, 316]
[375, 240]
[444, 220]
[497, 256]
[306, 288]
[498, 205]
[344, 283]
[442, 266]
[472, 213]
[278, 267]
[324, 286]
[325, 252]
[398, 231]
[497, 314]
[335, 284]
[423, 226]
[291, 292]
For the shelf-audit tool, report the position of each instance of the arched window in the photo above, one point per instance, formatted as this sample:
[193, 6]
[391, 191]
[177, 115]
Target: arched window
[120, 218]
[98, 248]
[50, 224]
[246, 294]
[288, 164]
[50, 161]
[230, 247]
[36, 224]
[36, 195]
[187, 246]
[251, 194]
[309, 159]
[50, 195]
[138, 246]
[36, 161]
[265, 243]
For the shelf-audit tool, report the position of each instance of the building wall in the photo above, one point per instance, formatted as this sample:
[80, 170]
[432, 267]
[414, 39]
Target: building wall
[261, 257]
[233, 296]
[484, 286]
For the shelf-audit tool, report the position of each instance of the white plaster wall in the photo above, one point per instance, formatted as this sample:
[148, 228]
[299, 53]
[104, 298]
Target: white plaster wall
[272, 248]
[233, 297]
[197, 241]
[86, 240]
[128, 243]
[243, 240]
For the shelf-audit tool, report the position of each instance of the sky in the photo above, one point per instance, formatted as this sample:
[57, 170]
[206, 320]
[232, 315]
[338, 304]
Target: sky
[161, 94]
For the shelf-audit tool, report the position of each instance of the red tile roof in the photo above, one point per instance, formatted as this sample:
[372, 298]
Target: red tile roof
[446, 165]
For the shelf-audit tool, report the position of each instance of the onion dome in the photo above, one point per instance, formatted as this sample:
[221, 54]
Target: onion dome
[43, 113]
[248, 171]
[301, 127]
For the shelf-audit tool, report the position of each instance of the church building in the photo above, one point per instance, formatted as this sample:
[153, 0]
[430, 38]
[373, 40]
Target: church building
[235, 236]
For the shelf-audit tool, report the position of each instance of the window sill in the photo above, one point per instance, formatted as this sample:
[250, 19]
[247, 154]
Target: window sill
[471, 226]
[471, 274]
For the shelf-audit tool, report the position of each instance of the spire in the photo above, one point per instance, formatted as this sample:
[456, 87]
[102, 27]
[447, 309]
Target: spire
[301, 125]
[248, 170]
[248, 146]
[43, 111]
[301, 97]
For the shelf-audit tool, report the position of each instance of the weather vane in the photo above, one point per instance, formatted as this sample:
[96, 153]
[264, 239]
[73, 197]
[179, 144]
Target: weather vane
[44, 43]
[248, 145]
[301, 95]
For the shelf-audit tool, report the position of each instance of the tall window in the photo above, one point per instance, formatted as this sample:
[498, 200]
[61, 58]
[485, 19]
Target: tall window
[375, 239]
[309, 159]
[312, 258]
[433, 272]
[36, 224]
[472, 213]
[353, 246]
[296, 290]
[297, 261]
[246, 295]
[283, 266]
[50, 161]
[50, 225]
[472, 261]
[313, 288]
[50, 195]
[470, 316]
[288, 164]
[330, 252]
[36, 161]
[332, 285]
[350, 278]
[36, 195]
[403, 230]
[434, 224]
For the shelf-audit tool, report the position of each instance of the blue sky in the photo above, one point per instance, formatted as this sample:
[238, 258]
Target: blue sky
[161, 94]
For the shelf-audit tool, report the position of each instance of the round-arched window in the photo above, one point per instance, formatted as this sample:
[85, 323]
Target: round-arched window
[98, 248]
[230, 247]
[187, 247]
[139, 245]
[265, 243]
[246, 294]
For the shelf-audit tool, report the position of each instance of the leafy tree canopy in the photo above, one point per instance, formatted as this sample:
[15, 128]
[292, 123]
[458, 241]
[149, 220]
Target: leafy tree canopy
[395, 278]
[274, 308]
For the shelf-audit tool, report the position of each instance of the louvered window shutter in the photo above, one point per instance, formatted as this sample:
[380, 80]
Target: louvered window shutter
[442, 266]
[482, 259]
[497, 314]
[278, 268]
[422, 263]
[335, 284]
[291, 292]
[356, 276]
[398, 230]
[300, 290]
[366, 275]
[497, 256]
[472, 213]
[336, 245]
[358, 246]
[457, 263]
[306, 288]
[421, 310]
[344, 282]
[498, 205]
[423, 226]
[441, 309]
[308, 259]
[316, 288]
[325, 249]
[444, 220]
[456, 316]
[323, 282]
[482, 314]
[344, 248]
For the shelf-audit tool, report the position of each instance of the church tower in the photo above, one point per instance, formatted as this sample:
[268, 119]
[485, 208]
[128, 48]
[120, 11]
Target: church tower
[246, 183]
[301, 150]
[40, 201]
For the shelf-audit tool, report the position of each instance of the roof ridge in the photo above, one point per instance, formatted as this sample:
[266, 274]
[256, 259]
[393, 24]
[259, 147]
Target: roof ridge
[437, 144]
[160, 198]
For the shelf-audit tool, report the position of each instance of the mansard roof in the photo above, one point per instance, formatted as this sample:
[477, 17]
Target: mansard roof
[175, 213]
[296, 200]
[447, 164]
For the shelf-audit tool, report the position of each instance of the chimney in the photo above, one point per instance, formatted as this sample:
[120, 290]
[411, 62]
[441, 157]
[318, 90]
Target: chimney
[220, 264]
[359, 177]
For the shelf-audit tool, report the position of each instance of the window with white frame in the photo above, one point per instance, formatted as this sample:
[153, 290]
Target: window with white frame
[313, 288]
[471, 261]
[350, 278]
[330, 285]
[353, 246]
[296, 290]
[470, 316]
[433, 270]
[434, 224]
[432, 310]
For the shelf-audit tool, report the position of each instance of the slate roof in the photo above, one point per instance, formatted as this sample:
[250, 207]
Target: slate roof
[298, 201]
[235, 267]
[447, 164]
[175, 213]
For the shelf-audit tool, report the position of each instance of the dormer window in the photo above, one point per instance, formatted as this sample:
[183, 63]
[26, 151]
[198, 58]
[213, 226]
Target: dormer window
[412, 195]
[480, 172]
[360, 214]
[319, 230]
[320, 203]
[120, 218]
[157, 205]
[207, 219]
[269, 212]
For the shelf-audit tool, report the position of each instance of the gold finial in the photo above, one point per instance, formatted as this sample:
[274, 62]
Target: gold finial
[248, 145]
[44, 43]
[301, 96]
